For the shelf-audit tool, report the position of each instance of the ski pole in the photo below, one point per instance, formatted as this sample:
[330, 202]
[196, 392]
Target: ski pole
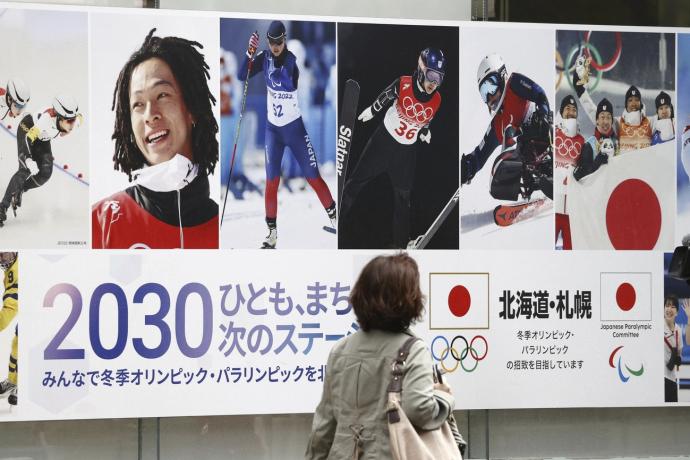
[237, 132]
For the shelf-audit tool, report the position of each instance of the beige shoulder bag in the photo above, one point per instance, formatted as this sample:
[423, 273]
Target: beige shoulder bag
[408, 443]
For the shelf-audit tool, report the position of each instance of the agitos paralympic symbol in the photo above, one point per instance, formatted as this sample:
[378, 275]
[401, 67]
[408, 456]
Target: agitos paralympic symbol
[624, 378]
[459, 356]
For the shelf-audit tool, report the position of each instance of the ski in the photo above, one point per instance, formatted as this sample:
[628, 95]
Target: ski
[509, 214]
[346, 126]
[422, 240]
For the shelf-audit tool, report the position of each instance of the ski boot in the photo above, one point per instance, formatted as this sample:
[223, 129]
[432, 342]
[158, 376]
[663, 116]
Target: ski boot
[333, 215]
[12, 398]
[271, 239]
[6, 388]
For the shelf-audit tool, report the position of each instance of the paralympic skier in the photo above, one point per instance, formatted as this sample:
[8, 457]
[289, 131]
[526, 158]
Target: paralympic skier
[285, 127]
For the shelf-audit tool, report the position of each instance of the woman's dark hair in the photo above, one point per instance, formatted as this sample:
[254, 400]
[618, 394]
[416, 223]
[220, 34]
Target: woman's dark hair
[192, 73]
[674, 301]
[387, 296]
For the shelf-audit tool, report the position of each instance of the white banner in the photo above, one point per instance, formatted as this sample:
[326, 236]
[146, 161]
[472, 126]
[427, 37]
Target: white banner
[118, 335]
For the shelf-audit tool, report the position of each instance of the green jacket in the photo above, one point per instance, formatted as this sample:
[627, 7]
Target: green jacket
[354, 396]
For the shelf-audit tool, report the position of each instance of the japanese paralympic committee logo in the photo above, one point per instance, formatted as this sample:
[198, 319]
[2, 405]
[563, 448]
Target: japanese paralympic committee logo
[624, 378]
[459, 356]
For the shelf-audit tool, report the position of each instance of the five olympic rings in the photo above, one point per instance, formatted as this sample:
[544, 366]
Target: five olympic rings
[462, 356]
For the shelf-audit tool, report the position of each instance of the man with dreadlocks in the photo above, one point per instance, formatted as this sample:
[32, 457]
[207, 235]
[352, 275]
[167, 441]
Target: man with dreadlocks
[165, 141]
[285, 127]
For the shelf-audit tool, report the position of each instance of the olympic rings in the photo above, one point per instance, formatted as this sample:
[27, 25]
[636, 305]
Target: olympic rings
[459, 358]
[616, 55]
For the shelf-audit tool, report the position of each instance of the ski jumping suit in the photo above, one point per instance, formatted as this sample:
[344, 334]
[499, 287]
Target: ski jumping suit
[568, 151]
[521, 99]
[33, 142]
[590, 158]
[140, 218]
[285, 127]
[9, 311]
[392, 149]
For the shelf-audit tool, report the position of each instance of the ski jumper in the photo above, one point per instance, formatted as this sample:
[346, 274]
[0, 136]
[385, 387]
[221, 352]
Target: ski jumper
[520, 100]
[392, 149]
[568, 150]
[285, 127]
[140, 218]
[34, 135]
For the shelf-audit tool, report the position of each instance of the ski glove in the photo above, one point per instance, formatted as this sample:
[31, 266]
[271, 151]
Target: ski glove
[425, 135]
[468, 168]
[601, 159]
[674, 361]
[31, 166]
[366, 115]
[253, 44]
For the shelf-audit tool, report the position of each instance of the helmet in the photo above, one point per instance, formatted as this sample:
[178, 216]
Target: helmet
[7, 259]
[276, 32]
[18, 92]
[491, 77]
[431, 66]
[66, 106]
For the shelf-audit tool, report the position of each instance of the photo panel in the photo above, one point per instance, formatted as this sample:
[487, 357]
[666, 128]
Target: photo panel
[676, 331]
[9, 330]
[278, 134]
[155, 136]
[44, 129]
[615, 132]
[398, 137]
[506, 165]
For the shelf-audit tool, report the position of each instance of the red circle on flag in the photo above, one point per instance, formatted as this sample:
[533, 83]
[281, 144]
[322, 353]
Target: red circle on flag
[459, 301]
[625, 296]
[633, 216]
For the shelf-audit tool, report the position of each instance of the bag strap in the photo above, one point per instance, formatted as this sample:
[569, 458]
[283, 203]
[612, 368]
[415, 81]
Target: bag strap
[398, 363]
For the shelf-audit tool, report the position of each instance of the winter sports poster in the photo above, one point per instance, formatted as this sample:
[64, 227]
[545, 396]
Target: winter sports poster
[615, 140]
[401, 170]
[505, 119]
[44, 129]
[278, 134]
[154, 148]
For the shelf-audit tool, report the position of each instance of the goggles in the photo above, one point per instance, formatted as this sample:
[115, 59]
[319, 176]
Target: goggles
[276, 41]
[433, 76]
[489, 87]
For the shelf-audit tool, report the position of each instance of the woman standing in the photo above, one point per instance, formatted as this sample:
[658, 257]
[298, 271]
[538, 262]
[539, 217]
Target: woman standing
[352, 413]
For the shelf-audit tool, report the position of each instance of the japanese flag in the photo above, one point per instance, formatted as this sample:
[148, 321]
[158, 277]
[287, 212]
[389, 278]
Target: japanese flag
[629, 203]
[626, 296]
[458, 300]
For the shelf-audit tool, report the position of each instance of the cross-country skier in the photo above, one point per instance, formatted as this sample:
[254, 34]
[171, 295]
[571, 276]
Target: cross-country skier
[520, 110]
[34, 136]
[13, 100]
[409, 103]
[10, 298]
[568, 146]
[285, 127]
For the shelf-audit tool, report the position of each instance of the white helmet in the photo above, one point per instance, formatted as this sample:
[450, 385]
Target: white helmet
[491, 77]
[18, 91]
[66, 106]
